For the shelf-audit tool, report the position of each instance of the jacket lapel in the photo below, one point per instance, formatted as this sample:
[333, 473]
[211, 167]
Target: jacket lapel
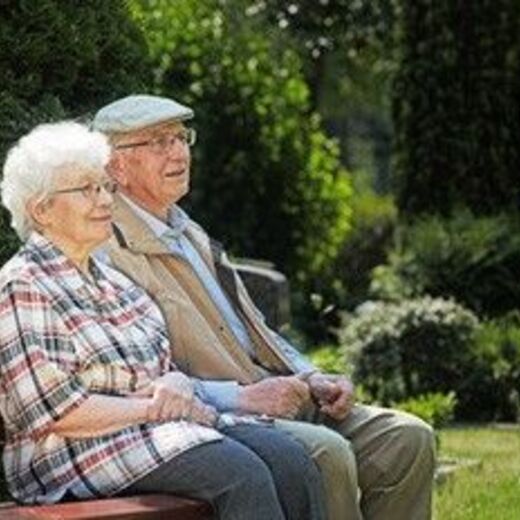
[132, 233]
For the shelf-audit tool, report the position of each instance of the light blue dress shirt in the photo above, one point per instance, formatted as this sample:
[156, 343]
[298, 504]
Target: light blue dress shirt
[221, 394]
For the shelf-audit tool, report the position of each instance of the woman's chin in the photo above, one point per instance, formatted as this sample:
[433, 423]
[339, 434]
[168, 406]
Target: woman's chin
[103, 233]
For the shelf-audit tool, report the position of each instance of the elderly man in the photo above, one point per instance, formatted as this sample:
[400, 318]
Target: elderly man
[376, 463]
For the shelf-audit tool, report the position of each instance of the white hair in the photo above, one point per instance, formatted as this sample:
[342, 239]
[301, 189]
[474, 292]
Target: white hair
[33, 162]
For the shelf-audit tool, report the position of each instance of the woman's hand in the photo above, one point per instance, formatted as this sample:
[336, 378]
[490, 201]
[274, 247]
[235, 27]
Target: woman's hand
[202, 413]
[172, 398]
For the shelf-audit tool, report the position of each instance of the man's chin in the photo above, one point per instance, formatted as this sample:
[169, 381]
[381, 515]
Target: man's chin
[180, 192]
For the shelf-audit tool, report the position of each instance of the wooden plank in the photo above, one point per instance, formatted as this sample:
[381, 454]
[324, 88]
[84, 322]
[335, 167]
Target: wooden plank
[143, 507]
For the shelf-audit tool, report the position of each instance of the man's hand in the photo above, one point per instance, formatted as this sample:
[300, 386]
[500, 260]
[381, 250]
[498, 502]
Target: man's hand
[282, 396]
[333, 393]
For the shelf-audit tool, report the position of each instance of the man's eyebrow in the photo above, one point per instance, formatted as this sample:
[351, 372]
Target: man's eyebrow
[160, 132]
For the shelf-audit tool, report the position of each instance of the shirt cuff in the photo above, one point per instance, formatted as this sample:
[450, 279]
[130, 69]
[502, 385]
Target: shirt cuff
[223, 395]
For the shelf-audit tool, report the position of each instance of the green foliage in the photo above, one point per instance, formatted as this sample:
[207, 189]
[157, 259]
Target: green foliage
[344, 285]
[474, 260]
[329, 359]
[61, 60]
[373, 222]
[80, 52]
[402, 350]
[267, 180]
[357, 36]
[325, 26]
[456, 106]
[498, 346]
[348, 52]
[489, 490]
[435, 408]
[16, 118]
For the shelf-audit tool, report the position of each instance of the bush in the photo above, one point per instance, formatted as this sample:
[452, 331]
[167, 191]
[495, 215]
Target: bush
[434, 408]
[402, 350]
[373, 223]
[344, 285]
[268, 181]
[474, 260]
[329, 359]
[498, 346]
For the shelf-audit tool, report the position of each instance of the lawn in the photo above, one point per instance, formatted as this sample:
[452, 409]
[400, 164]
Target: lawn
[490, 491]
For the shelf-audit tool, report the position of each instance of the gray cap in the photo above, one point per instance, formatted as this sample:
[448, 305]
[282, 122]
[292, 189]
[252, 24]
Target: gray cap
[138, 111]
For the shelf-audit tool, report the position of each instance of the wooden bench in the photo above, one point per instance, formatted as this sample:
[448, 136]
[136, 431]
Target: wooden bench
[143, 507]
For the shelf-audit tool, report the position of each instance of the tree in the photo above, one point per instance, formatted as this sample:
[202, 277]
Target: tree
[268, 181]
[457, 106]
[351, 31]
[62, 60]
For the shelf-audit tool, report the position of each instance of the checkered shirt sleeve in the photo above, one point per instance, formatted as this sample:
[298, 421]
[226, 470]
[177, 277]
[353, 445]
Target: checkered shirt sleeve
[40, 391]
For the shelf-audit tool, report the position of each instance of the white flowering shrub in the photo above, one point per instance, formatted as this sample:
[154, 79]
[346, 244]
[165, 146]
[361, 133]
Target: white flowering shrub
[405, 349]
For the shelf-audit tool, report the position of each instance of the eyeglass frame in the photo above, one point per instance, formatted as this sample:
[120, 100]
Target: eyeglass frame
[189, 139]
[91, 190]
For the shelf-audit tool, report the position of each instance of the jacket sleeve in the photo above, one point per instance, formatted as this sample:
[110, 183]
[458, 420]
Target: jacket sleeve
[298, 361]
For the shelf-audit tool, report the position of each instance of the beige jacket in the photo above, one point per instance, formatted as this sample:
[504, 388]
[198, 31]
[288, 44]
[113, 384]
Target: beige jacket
[202, 342]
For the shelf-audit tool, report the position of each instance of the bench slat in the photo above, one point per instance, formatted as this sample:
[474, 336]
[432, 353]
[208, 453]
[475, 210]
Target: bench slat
[143, 507]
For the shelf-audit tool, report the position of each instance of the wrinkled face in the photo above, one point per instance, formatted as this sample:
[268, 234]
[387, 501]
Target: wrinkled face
[77, 214]
[153, 176]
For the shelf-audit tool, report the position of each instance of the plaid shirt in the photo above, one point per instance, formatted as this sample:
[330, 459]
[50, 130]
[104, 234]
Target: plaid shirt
[62, 337]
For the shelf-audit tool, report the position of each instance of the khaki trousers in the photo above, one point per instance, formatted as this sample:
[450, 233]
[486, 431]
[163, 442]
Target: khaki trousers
[377, 464]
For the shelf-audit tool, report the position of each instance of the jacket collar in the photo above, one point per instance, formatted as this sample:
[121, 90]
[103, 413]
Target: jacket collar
[131, 231]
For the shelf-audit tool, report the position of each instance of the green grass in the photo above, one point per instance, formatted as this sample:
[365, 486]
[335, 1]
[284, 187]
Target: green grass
[490, 491]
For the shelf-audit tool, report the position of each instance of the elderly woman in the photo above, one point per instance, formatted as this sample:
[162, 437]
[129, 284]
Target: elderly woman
[91, 403]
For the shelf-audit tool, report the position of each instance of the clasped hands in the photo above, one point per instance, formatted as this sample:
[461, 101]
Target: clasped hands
[286, 396]
[172, 397]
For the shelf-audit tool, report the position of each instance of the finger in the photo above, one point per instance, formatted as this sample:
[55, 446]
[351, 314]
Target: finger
[162, 398]
[347, 388]
[341, 407]
[326, 391]
[153, 411]
[176, 408]
[293, 412]
[299, 388]
[189, 405]
[159, 404]
[145, 391]
[204, 414]
[211, 416]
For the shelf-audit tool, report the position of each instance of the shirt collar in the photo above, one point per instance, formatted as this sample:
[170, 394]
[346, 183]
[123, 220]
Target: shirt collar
[173, 229]
[62, 268]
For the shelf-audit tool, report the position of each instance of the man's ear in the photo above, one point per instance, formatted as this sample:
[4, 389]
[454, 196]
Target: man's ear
[115, 169]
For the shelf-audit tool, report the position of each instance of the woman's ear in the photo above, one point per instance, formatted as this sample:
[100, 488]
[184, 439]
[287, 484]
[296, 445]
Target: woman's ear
[115, 169]
[38, 210]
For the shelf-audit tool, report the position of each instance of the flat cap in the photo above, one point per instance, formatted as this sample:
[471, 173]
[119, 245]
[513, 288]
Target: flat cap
[138, 111]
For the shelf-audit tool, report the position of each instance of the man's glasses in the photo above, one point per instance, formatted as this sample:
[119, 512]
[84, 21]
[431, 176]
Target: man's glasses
[91, 190]
[163, 143]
